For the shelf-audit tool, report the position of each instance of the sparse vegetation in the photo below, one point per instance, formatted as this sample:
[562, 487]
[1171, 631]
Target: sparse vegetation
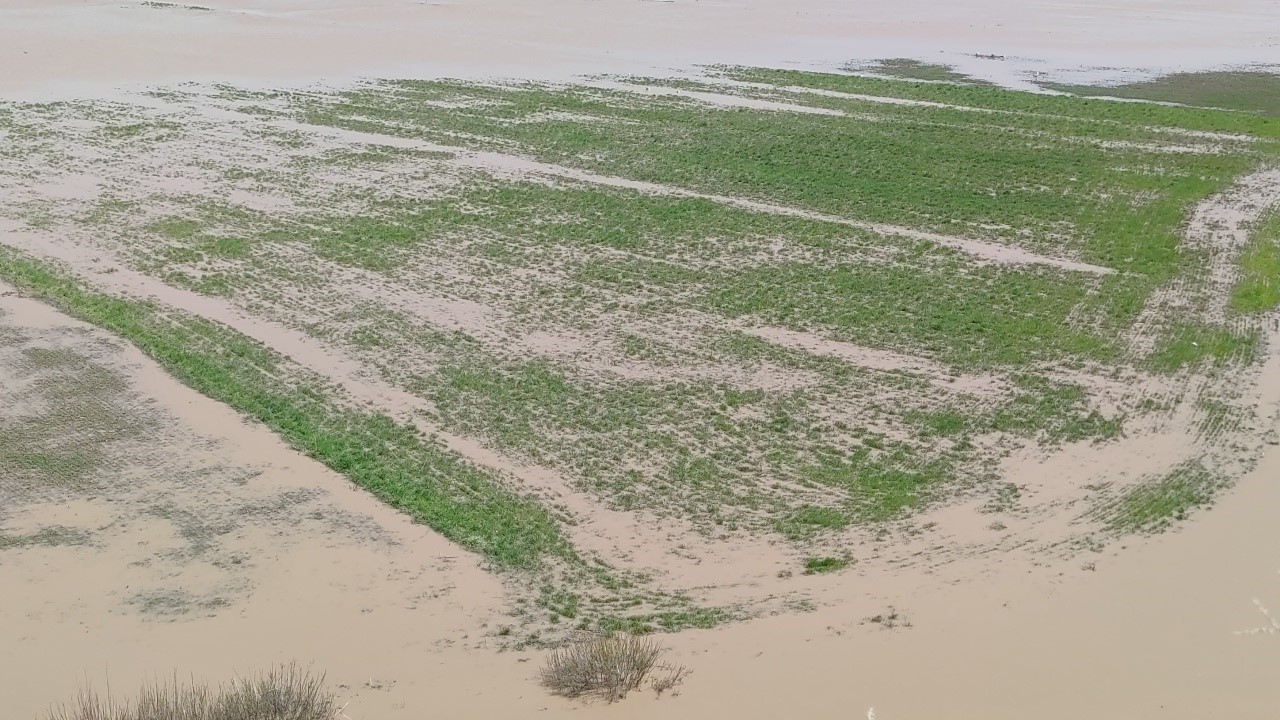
[1255, 91]
[285, 693]
[820, 565]
[889, 619]
[411, 472]
[819, 320]
[608, 667]
[1258, 288]
[1155, 504]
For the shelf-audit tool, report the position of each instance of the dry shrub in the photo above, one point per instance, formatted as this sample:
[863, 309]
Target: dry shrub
[668, 676]
[608, 667]
[284, 693]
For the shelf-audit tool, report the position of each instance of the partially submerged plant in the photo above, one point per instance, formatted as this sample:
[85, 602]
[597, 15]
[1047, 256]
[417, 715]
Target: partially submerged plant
[287, 692]
[608, 667]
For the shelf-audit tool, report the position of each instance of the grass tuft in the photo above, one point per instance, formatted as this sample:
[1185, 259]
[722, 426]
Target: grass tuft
[607, 667]
[285, 693]
[820, 565]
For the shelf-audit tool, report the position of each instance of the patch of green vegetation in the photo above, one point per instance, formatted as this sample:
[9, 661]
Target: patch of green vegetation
[808, 520]
[67, 414]
[151, 131]
[1155, 504]
[669, 621]
[881, 485]
[55, 536]
[1191, 344]
[177, 228]
[559, 603]
[940, 422]
[935, 167]
[226, 247]
[1249, 90]
[684, 448]
[1052, 411]
[393, 461]
[821, 565]
[909, 69]
[985, 316]
[1258, 288]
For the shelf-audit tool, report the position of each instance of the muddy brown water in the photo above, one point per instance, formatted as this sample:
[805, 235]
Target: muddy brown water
[183, 571]
[1177, 626]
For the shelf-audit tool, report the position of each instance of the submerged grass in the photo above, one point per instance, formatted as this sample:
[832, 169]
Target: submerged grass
[934, 168]
[1256, 91]
[615, 337]
[910, 69]
[468, 505]
[1154, 505]
[1258, 288]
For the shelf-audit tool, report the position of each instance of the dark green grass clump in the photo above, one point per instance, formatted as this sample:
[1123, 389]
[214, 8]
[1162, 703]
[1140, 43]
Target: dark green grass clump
[910, 69]
[1253, 91]
[821, 565]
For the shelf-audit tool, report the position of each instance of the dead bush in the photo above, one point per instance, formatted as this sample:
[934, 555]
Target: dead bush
[284, 693]
[668, 676]
[606, 666]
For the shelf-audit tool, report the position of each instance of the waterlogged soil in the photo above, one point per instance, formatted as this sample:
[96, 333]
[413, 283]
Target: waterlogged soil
[148, 530]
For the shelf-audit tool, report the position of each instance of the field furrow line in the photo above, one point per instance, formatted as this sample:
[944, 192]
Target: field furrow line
[107, 275]
[514, 166]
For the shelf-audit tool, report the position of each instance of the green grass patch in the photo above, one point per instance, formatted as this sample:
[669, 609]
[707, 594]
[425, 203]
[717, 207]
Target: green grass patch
[982, 317]
[994, 98]
[1258, 288]
[1248, 90]
[668, 621]
[1193, 344]
[1154, 505]
[937, 168]
[1052, 412]
[822, 565]
[882, 485]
